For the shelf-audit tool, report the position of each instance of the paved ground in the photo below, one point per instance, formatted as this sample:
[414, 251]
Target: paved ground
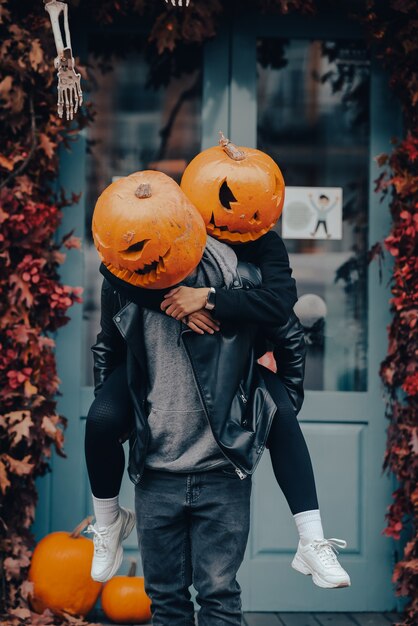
[312, 619]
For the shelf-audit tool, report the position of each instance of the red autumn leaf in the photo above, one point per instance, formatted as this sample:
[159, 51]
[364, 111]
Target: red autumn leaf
[4, 481]
[47, 145]
[411, 146]
[46, 342]
[48, 426]
[22, 288]
[59, 257]
[13, 566]
[19, 467]
[45, 619]
[412, 565]
[21, 613]
[21, 429]
[24, 185]
[29, 389]
[21, 333]
[36, 55]
[12, 95]
[410, 384]
[75, 620]
[26, 589]
[6, 87]
[73, 242]
[6, 163]
[3, 215]
[381, 159]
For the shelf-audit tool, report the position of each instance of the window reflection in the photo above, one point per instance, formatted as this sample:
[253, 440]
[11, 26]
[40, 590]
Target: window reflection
[313, 119]
[136, 128]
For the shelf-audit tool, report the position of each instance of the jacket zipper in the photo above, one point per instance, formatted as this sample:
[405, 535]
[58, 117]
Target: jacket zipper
[242, 394]
[238, 471]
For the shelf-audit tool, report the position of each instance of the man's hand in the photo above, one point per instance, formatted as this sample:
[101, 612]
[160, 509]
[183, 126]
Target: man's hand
[183, 301]
[201, 322]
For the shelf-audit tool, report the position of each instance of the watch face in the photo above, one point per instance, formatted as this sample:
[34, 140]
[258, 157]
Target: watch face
[212, 298]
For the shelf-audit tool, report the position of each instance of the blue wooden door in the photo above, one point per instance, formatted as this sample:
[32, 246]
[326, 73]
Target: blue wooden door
[243, 86]
[324, 136]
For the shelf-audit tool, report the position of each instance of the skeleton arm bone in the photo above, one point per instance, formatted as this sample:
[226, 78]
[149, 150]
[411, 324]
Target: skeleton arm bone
[69, 88]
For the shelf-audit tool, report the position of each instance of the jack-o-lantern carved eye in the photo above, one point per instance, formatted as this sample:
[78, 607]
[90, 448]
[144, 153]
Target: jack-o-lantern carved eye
[226, 196]
[134, 252]
[255, 218]
[153, 234]
[238, 191]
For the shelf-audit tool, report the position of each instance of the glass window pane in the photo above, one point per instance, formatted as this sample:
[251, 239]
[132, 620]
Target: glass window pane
[136, 128]
[313, 119]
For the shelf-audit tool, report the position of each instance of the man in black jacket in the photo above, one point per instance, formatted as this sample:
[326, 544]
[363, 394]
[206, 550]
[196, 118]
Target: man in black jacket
[202, 412]
[234, 398]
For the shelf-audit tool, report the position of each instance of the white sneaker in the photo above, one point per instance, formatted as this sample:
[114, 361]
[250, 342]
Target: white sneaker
[108, 551]
[318, 559]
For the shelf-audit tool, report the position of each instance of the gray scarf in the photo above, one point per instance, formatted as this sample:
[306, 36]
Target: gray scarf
[217, 268]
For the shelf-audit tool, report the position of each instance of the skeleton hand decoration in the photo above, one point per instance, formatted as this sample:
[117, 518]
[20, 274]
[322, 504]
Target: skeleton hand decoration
[180, 2]
[69, 89]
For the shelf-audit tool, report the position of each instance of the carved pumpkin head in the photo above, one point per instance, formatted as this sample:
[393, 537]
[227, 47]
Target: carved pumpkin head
[238, 191]
[147, 232]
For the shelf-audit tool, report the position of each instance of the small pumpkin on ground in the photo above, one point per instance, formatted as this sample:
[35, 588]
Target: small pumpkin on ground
[60, 571]
[146, 230]
[124, 600]
[238, 191]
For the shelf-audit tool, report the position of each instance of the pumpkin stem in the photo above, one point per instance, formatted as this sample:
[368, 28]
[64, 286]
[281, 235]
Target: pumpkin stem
[143, 191]
[78, 529]
[132, 569]
[230, 148]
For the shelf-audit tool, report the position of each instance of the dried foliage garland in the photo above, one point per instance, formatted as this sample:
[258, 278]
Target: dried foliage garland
[34, 302]
[392, 28]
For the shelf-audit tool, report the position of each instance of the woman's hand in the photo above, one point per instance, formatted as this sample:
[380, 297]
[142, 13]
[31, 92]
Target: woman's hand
[183, 301]
[202, 322]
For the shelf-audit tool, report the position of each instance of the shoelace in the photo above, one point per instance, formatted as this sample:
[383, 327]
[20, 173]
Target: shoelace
[327, 549]
[99, 539]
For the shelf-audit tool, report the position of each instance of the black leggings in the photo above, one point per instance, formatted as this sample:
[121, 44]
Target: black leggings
[110, 419]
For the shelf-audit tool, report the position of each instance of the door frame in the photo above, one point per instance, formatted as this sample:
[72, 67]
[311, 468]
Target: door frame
[225, 85]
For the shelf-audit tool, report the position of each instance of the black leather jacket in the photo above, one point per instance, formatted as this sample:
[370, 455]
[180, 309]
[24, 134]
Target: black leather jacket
[233, 391]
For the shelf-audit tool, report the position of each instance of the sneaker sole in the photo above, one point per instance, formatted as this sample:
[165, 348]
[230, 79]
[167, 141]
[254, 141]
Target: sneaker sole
[300, 566]
[119, 553]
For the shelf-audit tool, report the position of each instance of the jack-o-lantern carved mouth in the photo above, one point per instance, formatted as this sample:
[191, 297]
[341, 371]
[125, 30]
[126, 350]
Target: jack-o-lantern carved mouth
[215, 226]
[157, 265]
[144, 276]
[225, 232]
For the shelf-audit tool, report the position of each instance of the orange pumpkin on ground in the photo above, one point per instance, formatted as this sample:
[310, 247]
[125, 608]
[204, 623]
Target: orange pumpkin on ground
[124, 600]
[238, 191]
[146, 230]
[60, 571]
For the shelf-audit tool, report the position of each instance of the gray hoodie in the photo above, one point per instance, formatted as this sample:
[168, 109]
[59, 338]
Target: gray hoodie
[181, 439]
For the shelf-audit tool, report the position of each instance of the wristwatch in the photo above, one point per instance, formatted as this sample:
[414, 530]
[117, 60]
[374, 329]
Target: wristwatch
[211, 299]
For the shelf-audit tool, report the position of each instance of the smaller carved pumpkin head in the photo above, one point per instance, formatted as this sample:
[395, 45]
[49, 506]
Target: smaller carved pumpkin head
[147, 232]
[238, 191]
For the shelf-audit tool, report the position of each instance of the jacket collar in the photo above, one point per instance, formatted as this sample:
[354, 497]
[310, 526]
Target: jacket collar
[129, 323]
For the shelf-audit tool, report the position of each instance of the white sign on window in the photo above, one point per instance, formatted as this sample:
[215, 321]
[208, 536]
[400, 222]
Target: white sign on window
[313, 213]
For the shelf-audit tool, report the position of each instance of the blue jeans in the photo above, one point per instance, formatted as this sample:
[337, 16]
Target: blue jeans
[193, 529]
